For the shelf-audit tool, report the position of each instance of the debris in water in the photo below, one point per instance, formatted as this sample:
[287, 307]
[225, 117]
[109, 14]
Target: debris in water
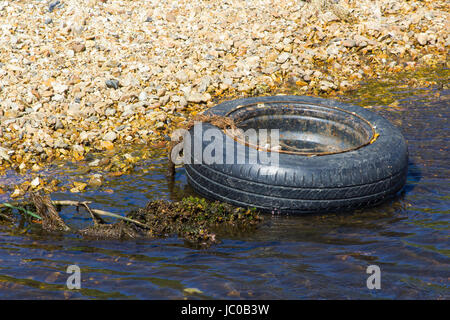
[194, 219]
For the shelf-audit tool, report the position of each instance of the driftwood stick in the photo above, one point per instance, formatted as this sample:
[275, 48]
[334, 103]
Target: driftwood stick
[54, 202]
[113, 215]
[97, 212]
[93, 212]
[97, 220]
[69, 203]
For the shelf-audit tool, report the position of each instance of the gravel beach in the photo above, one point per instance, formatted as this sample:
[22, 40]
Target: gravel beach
[78, 76]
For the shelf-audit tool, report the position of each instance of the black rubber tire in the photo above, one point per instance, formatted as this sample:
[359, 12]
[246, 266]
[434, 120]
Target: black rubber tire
[302, 184]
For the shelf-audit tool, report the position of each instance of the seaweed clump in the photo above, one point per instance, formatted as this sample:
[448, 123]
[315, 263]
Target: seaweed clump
[194, 219]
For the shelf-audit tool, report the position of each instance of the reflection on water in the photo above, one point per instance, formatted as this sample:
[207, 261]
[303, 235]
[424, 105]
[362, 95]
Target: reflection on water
[319, 256]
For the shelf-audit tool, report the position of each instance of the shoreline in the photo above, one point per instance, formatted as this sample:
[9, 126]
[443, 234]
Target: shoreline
[84, 84]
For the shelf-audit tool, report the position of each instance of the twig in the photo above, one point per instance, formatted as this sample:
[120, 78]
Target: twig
[96, 212]
[113, 215]
[69, 203]
[93, 212]
[97, 220]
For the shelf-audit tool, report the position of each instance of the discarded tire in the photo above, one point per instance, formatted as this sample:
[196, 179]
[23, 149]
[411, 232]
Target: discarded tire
[332, 156]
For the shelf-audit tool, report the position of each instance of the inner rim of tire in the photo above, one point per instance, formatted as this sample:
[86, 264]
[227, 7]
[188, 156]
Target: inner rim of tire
[304, 128]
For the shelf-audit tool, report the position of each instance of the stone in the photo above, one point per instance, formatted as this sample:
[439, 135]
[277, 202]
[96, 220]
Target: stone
[143, 96]
[182, 103]
[57, 97]
[17, 193]
[181, 76]
[4, 154]
[53, 5]
[349, 43]
[59, 88]
[253, 61]
[77, 47]
[204, 84]
[78, 148]
[112, 83]
[58, 124]
[35, 182]
[327, 85]
[80, 186]
[110, 111]
[196, 97]
[282, 58]
[422, 38]
[164, 100]
[111, 136]
[60, 144]
[74, 110]
[94, 163]
[96, 180]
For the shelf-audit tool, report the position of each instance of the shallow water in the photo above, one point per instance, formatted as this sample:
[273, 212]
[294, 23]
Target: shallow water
[321, 256]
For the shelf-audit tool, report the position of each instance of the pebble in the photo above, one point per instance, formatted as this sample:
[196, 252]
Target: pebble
[77, 47]
[92, 119]
[143, 96]
[53, 5]
[58, 124]
[164, 100]
[4, 154]
[110, 112]
[17, 193]
[111, 136]
[196, 97]
[96, 180]
[78, 186]
[422, 38]
[112, 83]
[326, 85]
[182, 103]
[182, 76]
[349, 43]
[282, 58]
[94, 163]
[35, 182]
